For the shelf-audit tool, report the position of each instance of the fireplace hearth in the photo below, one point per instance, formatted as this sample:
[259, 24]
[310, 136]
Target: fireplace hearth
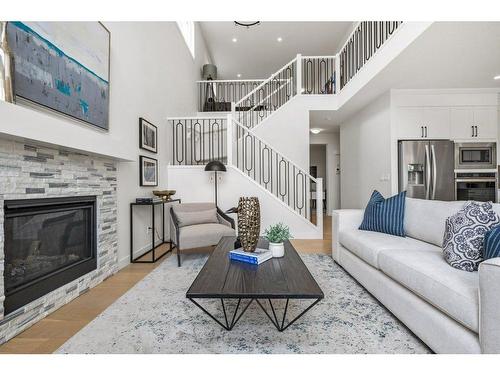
[49, 242]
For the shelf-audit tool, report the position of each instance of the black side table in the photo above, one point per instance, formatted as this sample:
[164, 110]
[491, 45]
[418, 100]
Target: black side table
[153, 247]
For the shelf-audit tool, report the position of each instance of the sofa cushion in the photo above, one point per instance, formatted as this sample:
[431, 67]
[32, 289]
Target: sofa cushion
[428, 275]
[202, 235]
[385, 215]
[367, 245]
[463, 242]
[425, 219]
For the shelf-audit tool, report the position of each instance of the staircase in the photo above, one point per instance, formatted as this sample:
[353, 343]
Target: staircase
[232, 137]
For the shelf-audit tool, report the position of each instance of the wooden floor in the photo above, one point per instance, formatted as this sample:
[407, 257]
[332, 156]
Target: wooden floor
[51, 332]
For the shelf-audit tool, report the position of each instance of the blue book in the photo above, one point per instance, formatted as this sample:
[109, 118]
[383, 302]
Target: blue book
[257, 257]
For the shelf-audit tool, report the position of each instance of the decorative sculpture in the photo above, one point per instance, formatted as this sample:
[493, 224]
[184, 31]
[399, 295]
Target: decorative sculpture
[6, 66]
[248, 222]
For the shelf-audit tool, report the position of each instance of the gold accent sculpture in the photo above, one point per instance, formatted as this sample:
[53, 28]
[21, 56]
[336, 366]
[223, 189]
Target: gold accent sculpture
[249, 222]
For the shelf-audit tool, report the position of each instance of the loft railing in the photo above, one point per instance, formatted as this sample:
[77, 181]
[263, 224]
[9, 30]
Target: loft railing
[217, 95]
[366, 39]
[318, 75]
[198, 140]
[268, 96]
[273, 171]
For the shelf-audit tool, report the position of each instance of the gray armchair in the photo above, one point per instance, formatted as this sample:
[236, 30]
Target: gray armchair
[195, 225]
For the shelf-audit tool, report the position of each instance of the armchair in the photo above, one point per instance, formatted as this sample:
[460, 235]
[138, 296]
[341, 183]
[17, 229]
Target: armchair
[195, 225]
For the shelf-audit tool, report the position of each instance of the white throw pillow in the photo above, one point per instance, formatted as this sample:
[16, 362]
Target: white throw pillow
[464, 235]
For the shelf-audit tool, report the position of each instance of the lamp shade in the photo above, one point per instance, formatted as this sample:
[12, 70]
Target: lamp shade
[215, 166]
[209, 72]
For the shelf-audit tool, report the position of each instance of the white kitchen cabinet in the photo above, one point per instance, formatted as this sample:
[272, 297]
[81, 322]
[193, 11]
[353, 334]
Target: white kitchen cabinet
[474, 123]
[437, 123]
[423, 123]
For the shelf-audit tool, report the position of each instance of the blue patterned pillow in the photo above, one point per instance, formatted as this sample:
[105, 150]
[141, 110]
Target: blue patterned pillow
[385, 215]
[464, 235]
[492, 244]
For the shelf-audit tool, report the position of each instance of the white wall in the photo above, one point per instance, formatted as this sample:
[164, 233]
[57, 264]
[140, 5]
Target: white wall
[332, 179]
[153, 76]
[365, 146]
[193, 184]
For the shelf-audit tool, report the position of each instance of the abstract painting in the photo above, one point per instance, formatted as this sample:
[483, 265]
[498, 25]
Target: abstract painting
[148, 171]
[63, 66]
[148, 135]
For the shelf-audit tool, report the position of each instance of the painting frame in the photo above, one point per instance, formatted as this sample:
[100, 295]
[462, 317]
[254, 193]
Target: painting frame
[52, 110]
[145, 125]
[142, 171]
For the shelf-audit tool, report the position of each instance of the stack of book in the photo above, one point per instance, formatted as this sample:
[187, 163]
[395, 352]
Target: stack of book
[257, 257]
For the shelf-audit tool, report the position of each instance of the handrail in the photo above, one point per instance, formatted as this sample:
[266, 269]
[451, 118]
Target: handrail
[237, 123]
[197, 118]
[267, 80]
[230, 80]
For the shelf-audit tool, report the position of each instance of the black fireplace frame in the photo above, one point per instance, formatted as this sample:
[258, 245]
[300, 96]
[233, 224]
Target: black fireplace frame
[20, 296]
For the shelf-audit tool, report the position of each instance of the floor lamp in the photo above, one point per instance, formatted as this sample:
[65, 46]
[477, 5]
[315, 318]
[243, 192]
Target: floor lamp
[215, 166]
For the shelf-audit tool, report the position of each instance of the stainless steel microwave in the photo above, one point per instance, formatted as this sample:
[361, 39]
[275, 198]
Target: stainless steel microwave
[475, 155]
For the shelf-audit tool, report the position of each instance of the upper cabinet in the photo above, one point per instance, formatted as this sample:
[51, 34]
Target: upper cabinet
[460, 123]
[474, 123]
[422, 123]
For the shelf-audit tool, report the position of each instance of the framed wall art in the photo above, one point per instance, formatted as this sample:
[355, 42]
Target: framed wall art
[63, 66]
[148, 136]
[148, 171]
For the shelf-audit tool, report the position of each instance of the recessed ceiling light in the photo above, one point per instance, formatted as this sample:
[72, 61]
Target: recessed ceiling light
[316, 130]
[280, 39]
[496, 77]
[234, 40]
[238, 75]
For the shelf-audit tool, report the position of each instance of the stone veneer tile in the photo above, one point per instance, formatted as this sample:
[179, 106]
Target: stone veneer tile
[44, 172]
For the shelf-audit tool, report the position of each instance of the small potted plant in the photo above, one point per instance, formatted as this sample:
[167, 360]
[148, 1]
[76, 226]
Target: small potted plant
[276, 235]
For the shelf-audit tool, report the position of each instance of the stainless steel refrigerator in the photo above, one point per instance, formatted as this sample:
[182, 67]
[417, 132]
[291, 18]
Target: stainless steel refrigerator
[426, 169]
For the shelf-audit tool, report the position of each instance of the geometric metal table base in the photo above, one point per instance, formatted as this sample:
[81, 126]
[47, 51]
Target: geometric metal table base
[281, 327]
[229, 326]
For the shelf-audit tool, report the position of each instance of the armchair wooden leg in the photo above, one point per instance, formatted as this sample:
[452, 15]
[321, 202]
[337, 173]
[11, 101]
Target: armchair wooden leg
[178, 257]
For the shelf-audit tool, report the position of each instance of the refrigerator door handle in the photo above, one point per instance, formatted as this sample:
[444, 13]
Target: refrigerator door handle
[434, 171]
[427, 173]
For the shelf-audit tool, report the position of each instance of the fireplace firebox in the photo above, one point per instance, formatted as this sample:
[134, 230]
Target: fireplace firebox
[48, 242]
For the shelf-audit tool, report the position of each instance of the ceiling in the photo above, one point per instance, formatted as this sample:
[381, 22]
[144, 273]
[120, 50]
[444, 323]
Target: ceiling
[447, 55]
[257, 54]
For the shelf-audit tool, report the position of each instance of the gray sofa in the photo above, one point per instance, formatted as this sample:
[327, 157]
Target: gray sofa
[452, 311]
[190, 230]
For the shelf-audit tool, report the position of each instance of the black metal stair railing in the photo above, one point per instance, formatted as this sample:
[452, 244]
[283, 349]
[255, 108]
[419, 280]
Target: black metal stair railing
[318, 75]
[217, 95]
[271, 170]
[196, 140]
[366, 39]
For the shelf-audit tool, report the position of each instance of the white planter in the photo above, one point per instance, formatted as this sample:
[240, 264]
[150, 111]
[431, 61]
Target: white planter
[277, 249]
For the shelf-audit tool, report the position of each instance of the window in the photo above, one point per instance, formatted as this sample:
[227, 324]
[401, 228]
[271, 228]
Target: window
[187, 31]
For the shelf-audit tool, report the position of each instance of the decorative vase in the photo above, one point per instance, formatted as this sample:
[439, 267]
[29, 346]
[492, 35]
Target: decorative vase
[6, 66]
[249, 222]
[277, 249]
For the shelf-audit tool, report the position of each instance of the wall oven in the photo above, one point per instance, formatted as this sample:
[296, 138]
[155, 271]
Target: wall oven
[475, 155]
[475, 187]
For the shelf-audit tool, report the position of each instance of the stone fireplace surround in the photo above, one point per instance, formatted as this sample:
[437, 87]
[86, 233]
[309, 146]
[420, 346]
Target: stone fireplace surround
[31, 170]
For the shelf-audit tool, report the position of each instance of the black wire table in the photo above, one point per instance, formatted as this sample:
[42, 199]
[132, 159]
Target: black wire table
[285, 278]
[153, 248]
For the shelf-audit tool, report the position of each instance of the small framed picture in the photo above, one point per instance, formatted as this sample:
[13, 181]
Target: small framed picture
[148, 171]
[148, 136]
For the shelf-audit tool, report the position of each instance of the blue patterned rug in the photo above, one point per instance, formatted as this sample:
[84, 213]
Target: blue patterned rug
[155, 317]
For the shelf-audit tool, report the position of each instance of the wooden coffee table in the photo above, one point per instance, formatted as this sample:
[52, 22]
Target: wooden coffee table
[278, 278]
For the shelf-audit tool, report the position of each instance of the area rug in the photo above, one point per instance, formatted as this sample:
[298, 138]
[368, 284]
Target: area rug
[155, 317]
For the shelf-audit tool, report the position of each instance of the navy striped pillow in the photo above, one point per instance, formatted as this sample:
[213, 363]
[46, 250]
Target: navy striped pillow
[385, 215]
[491, 247]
